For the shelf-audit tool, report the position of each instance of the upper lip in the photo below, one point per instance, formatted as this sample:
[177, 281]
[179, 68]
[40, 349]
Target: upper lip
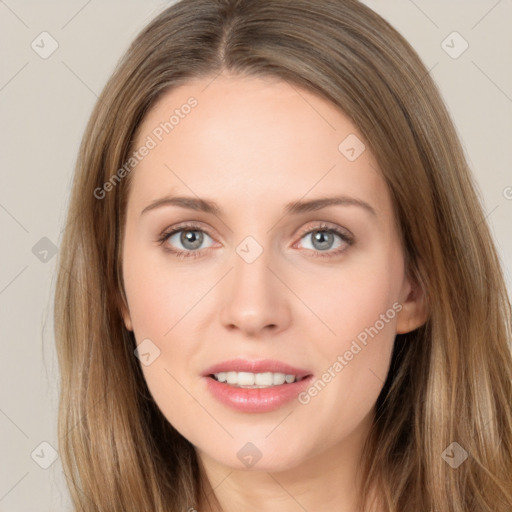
[260, 366]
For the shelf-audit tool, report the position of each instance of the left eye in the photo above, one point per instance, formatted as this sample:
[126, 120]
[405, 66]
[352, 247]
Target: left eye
[323, 239]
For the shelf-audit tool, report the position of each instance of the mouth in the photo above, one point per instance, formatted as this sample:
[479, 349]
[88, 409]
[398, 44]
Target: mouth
[251, 380]
[265, 372]
[255, 386]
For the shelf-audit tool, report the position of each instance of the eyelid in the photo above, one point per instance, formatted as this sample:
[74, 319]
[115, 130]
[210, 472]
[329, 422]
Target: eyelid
[183, 226]
[326, 226]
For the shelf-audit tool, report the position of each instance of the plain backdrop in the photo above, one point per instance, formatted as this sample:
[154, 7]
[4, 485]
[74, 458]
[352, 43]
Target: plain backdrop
[44, 106]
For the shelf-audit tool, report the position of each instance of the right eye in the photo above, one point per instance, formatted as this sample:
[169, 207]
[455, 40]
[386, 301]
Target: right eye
[190, 236]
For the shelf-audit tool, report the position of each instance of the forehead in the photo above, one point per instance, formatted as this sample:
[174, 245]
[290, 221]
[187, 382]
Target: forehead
[251, 139]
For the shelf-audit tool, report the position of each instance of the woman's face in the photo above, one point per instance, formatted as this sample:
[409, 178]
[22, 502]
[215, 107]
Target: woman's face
[271, 282]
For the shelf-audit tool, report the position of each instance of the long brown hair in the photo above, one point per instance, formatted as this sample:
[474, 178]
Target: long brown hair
[449, 381]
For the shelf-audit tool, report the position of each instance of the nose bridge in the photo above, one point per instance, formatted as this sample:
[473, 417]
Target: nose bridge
[251, 267]
[254, 299]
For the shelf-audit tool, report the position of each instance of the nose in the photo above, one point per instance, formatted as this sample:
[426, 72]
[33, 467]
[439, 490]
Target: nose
[255, 300]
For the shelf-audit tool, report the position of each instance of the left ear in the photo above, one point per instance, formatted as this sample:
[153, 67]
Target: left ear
[414, 312]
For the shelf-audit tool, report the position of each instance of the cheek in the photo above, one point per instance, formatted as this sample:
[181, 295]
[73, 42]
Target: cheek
[361, 297]
[159, 295]
[161, 302]
[359, 305]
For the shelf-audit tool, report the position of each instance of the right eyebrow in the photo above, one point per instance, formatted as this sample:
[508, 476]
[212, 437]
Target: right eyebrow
[191, 203]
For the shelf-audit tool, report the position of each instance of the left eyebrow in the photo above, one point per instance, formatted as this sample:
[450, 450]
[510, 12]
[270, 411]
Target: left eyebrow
[323, 202]
[293, 208]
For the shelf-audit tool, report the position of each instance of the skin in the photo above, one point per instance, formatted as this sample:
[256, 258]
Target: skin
[253, 145]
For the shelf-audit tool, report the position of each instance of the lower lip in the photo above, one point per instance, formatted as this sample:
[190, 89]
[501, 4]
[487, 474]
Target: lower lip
[256, 399]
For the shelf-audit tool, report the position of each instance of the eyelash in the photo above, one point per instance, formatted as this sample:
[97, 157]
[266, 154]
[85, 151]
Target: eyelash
[348, 239]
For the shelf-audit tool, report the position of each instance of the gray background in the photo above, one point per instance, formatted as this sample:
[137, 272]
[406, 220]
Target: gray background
[44, 106]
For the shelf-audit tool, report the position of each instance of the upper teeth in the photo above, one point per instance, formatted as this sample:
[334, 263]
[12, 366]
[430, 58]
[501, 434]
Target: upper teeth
[255, 379]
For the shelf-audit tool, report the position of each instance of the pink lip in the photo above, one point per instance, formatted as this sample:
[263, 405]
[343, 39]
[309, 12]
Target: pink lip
[261, 366]
[256, 399]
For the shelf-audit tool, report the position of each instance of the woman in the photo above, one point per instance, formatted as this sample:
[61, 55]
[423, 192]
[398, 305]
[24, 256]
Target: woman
[370, 371]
